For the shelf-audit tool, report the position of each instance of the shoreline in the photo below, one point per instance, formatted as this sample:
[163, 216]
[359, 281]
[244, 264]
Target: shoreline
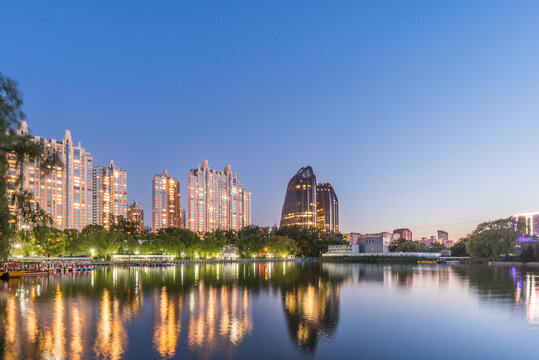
[513, 263]
[204, 262]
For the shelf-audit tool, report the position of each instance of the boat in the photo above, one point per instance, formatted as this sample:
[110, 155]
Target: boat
[36, 273]
[427, 261]
[12, 274]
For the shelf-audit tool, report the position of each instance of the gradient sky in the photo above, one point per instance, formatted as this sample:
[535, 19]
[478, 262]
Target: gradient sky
[421, 114]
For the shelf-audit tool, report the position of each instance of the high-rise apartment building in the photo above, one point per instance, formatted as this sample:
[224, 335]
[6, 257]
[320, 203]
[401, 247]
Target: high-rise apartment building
[327, 208]
[443, 236]
[65, 193]
[299, 207]
[217, 200]
[165, 202]
[110, 194]
[135, 213]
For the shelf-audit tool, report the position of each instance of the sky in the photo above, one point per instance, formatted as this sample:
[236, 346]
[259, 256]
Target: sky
[421, 114]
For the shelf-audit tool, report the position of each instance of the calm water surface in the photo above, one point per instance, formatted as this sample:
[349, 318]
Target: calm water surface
[268, 311]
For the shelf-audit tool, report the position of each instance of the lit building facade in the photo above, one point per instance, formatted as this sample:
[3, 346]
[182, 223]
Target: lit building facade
[530, 222]
[66, 192]
[110, 194]
[135, 213]
[327, 208]
[183, 218]
[299, 207]
[165, 202]
[403, 233]
[217, 200]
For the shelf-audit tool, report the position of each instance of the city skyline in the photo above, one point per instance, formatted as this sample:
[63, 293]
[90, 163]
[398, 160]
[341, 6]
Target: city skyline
[111, 171]
[409, 109]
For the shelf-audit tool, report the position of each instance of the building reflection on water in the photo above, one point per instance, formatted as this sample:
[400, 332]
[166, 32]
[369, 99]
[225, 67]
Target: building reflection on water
[312, 312]
[205, 311]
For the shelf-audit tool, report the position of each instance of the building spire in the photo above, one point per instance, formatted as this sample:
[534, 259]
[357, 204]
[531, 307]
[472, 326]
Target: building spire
[23, 127]
[67, 135]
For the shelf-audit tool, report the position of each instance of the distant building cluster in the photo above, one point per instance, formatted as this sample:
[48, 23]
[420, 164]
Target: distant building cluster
[308, 204]
[379, 242]
[75, 193]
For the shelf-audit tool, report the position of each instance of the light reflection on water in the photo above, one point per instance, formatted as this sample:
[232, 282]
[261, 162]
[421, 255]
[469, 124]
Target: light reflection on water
[270, 310]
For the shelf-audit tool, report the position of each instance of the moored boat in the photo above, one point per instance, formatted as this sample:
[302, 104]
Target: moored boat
[12, 274]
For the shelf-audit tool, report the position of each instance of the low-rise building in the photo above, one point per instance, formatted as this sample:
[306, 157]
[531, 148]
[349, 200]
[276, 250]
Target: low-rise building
[343, 249]
[375, 243]
[353, 238]
[371, 243]
[230, 252]
[403, 233]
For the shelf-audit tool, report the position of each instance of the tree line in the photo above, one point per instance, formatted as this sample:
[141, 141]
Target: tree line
[124, 238]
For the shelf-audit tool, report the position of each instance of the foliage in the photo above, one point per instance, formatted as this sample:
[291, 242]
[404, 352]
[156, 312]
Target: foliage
[123, 238]
[49, 240]
[528, 254]
[310, 241]
[16, 205]
[459, 248]
[403, 245]
[493, 238]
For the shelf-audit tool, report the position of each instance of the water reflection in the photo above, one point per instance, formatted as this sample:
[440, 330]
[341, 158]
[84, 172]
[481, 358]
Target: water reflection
[207, 311]
[167, 325]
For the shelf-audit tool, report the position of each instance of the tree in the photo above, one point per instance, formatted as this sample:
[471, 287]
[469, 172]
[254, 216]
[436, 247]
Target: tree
[15, 150]
[528, 254]
[493, 238]
[310, 241]
[403, 245]
[49, 240]
[73, 244]
[120, 223]
[459, 249]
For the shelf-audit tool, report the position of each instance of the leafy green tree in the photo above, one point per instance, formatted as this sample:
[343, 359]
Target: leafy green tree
[459, 249]
[250, 245]
[104, 242]
[120, 223]
[281, 245]
[14, 150]
[493, 238]
[49, 240]
[437, 247]
[310, 241]
[72, 243]
[528, 254]
[177, 241]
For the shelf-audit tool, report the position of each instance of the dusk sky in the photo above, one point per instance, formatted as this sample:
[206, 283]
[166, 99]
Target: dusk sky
[421, 114]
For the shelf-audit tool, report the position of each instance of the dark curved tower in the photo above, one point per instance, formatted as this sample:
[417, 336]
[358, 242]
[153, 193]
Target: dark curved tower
[299, 206]
[327, 208]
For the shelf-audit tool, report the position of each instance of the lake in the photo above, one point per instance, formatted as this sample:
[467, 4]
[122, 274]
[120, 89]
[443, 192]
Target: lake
[273, 311]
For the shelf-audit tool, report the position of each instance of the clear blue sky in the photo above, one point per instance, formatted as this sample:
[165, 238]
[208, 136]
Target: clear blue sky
[421, 114]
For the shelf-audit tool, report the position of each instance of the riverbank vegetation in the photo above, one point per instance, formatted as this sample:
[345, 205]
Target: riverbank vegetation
[123, 238]
[402, 245]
